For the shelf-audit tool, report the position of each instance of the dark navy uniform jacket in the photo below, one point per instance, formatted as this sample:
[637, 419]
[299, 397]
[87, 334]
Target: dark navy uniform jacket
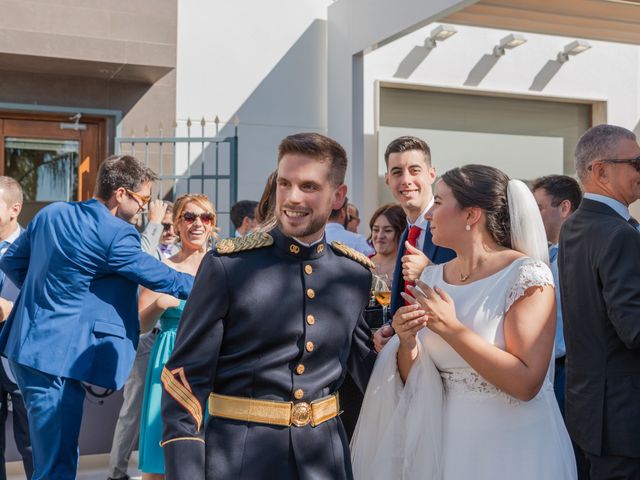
[282, 322]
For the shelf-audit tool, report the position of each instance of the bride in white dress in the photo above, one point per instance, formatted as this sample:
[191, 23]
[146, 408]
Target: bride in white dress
[470, 396]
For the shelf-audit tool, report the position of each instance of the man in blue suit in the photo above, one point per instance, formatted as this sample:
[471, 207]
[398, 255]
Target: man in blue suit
[410, 177]
[75, 320]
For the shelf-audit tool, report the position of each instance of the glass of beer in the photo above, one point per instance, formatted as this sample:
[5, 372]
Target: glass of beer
[382, 292]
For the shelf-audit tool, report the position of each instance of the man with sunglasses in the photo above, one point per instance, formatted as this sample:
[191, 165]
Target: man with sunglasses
[599, 269]
[78, 265]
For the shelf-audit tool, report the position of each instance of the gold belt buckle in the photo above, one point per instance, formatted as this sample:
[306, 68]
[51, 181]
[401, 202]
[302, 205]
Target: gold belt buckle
[301, 414]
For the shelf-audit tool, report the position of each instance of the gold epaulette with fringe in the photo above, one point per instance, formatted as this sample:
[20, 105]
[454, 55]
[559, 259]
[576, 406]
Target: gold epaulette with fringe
[248, 242]
[352, 254]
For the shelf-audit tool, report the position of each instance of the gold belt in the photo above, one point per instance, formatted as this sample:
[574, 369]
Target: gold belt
[273, 412]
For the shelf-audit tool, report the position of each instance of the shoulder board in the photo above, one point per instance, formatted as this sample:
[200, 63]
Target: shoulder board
[352, 254]
[240, 244]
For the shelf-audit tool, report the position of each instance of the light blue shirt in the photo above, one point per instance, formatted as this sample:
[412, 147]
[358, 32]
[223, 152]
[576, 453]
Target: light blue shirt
[335, 231]
[620, 208]
[617, 206]
[560, 349]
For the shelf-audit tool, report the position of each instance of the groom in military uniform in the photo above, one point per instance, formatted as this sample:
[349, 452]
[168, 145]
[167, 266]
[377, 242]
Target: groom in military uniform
[273, 324]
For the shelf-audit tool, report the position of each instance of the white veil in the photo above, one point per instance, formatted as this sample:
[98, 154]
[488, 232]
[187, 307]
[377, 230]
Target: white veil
[527, 230]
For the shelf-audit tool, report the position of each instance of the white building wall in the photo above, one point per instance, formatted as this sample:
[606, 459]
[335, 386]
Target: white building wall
[267, 63]
[608, 71]
[262, 61]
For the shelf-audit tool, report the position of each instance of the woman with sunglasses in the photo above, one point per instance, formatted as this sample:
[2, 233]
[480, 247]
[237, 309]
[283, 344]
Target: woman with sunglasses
[195, 224]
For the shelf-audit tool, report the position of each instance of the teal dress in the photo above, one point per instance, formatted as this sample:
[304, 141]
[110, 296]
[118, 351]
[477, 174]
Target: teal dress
[150, 456]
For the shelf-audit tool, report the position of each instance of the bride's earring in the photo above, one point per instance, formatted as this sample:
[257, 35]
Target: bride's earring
[468, 228]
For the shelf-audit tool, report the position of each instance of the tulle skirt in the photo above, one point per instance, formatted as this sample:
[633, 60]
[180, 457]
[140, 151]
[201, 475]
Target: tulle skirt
[459, 428]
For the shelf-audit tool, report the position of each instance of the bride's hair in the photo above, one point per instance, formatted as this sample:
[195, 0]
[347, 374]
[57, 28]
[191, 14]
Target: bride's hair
[513, 217]
[485, 187]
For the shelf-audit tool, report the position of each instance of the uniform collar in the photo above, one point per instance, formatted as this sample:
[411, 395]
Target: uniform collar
[295, 249]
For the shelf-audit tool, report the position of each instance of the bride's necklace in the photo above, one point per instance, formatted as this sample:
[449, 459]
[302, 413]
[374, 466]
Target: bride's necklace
[465, 276]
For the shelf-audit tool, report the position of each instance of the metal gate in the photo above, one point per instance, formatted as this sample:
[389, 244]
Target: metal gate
[192, 164]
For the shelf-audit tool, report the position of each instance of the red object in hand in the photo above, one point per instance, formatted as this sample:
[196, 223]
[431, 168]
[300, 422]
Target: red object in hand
[412, 238]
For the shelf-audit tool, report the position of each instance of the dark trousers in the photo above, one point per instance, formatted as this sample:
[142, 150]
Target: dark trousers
[611, 468]
[9, 390]
[54, 407]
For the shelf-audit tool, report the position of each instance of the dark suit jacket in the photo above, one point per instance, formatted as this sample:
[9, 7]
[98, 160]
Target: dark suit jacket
[244, 332]
[435, 253]
[600, 291]
[78, 268]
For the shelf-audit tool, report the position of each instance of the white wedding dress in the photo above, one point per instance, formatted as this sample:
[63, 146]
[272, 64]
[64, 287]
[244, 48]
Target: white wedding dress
[447, 422]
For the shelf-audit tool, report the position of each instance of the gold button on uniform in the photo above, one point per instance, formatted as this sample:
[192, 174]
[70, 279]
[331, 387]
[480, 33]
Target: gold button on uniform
[298, 394]
[300, 369]
[310, 346]
[308, 269]
[294, 248]
[311, 293]
[320, 248]
[311, 319]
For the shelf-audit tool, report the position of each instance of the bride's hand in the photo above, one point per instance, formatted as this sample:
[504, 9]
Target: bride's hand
[440, 308]
[407, 322]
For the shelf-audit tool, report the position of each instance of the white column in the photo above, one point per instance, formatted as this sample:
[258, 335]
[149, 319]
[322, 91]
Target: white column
[356, 27]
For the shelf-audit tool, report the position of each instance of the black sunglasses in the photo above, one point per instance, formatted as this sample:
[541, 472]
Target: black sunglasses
[166, 226]
[206, 218]
[634, 162]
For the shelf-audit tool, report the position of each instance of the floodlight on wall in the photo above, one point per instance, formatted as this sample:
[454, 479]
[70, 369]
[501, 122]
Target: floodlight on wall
[439, 34]
[509, 42]
[574, 48]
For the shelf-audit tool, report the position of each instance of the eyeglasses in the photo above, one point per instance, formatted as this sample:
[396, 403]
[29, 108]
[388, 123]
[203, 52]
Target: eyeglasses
[634, 162]
[141, 200]
[206, 218]
[166, 226]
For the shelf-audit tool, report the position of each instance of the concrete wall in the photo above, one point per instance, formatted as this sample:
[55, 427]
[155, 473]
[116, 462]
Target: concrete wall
[265, 63]
[116, 55]
[607, 72]
[283, 68]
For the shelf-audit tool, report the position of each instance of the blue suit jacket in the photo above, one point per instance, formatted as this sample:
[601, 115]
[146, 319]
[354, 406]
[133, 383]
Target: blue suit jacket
[435, 253]
[78, 268]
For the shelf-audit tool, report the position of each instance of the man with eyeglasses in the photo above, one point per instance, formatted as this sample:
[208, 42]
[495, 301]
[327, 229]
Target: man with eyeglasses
[78, 265]
[599, 269]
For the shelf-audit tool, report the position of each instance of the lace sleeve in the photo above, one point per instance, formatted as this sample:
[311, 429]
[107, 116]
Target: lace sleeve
[531, 273]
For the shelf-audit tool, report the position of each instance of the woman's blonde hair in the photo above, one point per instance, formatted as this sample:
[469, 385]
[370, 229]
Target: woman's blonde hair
[202, 201]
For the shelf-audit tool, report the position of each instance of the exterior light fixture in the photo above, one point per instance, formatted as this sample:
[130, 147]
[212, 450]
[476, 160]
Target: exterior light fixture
[574, 48]
[439, 34]
[512, 40]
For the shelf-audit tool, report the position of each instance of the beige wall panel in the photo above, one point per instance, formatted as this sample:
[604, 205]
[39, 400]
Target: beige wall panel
[476, 113]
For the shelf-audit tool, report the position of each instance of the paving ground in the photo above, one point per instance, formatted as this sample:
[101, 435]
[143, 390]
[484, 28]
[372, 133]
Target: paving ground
[92, 467]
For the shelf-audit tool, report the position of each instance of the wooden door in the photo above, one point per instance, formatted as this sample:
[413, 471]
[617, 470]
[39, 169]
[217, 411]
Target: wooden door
[53, 158]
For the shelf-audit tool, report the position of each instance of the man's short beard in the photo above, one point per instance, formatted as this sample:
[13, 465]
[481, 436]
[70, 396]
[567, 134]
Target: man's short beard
[314, 227]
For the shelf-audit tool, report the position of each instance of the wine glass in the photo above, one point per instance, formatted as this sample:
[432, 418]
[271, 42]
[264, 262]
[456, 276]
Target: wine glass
[382, 292]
